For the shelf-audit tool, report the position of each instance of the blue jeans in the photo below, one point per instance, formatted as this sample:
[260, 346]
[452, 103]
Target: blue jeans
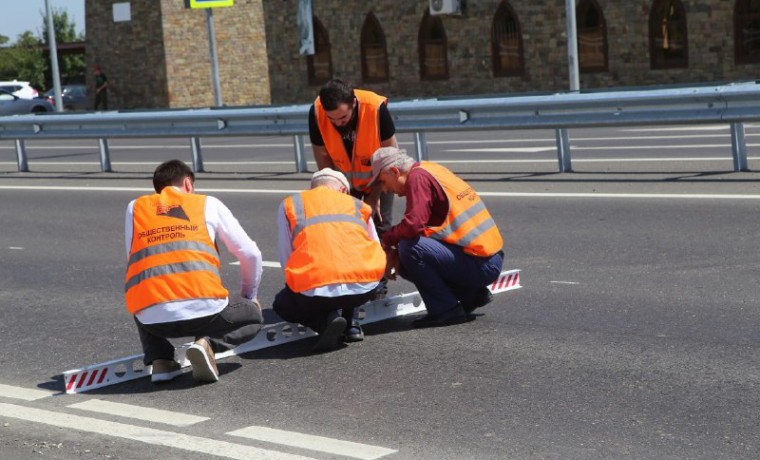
[444, 274]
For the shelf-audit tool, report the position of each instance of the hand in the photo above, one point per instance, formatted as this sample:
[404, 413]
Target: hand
[392, 263]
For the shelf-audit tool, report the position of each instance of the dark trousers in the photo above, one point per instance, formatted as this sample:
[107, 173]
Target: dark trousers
[312, 312]
[386, 210]
[444, 274]
[236, 324]
[101, 99]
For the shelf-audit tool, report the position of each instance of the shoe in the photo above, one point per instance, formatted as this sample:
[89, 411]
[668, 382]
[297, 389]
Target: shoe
[353, 333]
[202, 359]
[163, 370]
[330, 336]
[454, 316]
[382, 290]
[483, 298]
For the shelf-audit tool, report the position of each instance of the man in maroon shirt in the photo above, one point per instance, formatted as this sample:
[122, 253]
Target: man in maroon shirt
[452, 281]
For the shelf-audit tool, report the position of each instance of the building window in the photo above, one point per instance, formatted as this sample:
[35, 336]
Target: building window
[374, 51]
[319, 64]
[747, 31]
[433, 49]
[506, 43]
[668, 40]
[592, 37]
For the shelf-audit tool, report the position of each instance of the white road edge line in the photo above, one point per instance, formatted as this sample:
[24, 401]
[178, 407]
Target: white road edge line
[311, 442]
[145, 435]
[140, 413]
[24, 394]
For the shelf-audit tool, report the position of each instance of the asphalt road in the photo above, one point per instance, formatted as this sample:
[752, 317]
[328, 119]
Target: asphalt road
[635, 336]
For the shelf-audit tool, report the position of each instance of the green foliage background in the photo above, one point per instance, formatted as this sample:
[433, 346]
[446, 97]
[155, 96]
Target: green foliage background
[25, 61]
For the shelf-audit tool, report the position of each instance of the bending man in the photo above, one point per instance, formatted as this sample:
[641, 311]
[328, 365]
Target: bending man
[173, 287]
[447, 243]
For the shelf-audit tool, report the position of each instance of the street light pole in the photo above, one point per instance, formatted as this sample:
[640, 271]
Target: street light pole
[214, 58]
[572, 45]
[54, 58]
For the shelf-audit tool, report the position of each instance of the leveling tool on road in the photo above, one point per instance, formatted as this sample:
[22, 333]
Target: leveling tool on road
[131, 367]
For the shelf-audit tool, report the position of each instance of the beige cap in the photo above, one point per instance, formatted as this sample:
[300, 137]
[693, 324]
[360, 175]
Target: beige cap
[384, 157]
[329, 172]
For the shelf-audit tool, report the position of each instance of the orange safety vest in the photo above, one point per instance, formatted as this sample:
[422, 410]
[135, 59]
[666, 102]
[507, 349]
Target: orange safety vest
[358, 169]
[468, 223]
[172, 256]
[330, 241]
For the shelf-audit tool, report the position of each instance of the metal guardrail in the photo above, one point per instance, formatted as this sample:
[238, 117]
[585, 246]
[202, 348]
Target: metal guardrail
[733, 103]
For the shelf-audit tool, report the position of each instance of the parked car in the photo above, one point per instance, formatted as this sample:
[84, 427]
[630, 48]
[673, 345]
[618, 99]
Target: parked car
[21, 89]
[74, 97]
[10, 104]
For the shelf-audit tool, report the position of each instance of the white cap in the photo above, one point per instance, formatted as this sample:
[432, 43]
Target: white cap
[329, 172]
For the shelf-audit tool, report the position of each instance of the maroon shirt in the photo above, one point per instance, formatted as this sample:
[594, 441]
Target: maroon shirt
[426, 206]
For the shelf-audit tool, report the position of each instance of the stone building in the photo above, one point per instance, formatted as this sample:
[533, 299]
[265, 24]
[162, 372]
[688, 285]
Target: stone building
[399, 49]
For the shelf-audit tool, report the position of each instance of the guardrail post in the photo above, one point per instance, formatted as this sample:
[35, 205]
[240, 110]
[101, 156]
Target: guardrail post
[195, 145]
[420, 146]
[300, 146]
[563, 150]
[23, 166]
[105, 155]
[739, 147]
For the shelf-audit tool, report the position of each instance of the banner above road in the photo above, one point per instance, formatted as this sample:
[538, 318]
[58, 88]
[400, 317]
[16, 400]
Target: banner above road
[195, 4]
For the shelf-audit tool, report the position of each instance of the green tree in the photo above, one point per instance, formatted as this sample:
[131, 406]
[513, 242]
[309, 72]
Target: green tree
[71, 66]
[23, 61]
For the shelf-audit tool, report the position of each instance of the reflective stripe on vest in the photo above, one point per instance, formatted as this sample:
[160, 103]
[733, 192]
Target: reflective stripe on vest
[329, 240]
[482, 238]
[302, 222]
[172, 256]
[357, 169]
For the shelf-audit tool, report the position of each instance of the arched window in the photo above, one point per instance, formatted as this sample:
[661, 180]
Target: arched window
[374, 51]
[433, 48]
[506, 43]
[319, 64]
[668, 39]
[747, 31]
[592, 37]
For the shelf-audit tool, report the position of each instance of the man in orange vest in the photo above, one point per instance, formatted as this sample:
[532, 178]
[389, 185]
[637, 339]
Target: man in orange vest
[172, 284]
[332, 259]
[447, 243]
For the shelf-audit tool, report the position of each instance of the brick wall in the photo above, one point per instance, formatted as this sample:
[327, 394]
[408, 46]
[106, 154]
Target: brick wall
[160, 58]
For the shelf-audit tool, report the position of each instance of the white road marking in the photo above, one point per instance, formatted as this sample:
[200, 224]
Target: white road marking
[25, 394]
[15, 247]
[685, 196]
[146, 435]
[140, 413]
[564, 282]
[606, 148]
[265, 263]
[592, 160]
[680, 128]
[310, 442]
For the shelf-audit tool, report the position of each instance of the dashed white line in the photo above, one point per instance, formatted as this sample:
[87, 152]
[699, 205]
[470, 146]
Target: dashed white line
[25, 394]
[145, 435]
[311, 442]
[564, 282]
[140, 413]
[265, 263]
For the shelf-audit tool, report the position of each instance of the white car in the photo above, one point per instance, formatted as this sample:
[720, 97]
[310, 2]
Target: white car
[21, 89]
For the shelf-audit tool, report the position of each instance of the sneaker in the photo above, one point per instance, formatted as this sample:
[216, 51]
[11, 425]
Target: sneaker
[454, 316]
[353, 333]
[202, 359]
[482, 298]
[330, 336]
[163, 370]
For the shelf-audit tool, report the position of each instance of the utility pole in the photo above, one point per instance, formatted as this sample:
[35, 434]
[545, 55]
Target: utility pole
[572, 46]
[54, 57]
[214, 57]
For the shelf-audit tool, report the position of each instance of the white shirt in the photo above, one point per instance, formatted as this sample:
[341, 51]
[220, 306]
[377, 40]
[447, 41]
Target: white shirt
[285, 248]
[219, 222]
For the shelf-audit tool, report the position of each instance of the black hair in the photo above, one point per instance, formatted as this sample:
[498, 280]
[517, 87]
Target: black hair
[335, 93]
[172, 172]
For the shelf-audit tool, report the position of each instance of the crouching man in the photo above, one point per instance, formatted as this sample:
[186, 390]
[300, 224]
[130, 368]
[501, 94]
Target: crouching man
[172, 285]
[332, 259]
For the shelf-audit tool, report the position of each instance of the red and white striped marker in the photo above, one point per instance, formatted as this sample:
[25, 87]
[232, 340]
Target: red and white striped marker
[507, 281]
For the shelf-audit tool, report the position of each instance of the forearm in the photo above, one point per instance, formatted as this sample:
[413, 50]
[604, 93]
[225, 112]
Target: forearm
[322, 157]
